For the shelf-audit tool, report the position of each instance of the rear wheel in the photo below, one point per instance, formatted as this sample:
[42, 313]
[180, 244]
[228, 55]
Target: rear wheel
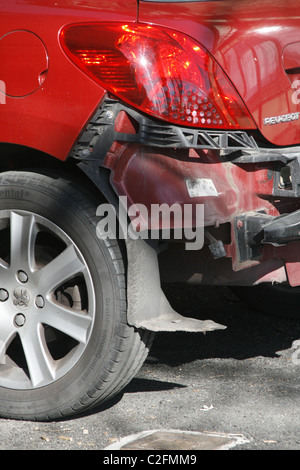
[65, 344]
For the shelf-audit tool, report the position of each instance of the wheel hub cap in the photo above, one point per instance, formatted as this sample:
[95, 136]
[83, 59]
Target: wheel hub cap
[22, 297]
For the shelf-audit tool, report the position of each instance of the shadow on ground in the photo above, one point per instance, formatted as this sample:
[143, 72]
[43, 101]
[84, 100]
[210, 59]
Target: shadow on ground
[248, 333]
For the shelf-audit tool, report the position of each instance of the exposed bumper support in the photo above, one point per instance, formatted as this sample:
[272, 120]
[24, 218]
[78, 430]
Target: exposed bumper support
[154, 133]
[256, 229]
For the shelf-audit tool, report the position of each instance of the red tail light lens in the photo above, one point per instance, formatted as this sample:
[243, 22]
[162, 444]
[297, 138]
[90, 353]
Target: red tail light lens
[158, 71]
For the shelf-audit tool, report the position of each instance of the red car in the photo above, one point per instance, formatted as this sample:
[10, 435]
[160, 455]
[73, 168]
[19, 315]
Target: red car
[141, 142]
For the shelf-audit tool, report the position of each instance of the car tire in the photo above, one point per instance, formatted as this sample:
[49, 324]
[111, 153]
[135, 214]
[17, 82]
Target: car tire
[65, 344]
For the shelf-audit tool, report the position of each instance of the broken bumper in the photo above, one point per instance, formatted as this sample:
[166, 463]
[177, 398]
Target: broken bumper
[250, 195]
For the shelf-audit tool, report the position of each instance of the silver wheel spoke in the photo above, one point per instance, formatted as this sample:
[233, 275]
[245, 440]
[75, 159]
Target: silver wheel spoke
[7, 334]
[73, 323]
[59, 270]
[22, 234]
[39, 361]
[3, 265]
[47, 302]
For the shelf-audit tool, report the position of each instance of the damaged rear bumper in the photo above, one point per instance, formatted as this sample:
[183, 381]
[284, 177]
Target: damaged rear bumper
[250, 195]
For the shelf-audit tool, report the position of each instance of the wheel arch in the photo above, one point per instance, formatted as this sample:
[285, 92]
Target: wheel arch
[16, 157]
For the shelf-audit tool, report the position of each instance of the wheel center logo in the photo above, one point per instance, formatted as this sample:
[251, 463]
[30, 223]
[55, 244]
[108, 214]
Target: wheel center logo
[22, 297]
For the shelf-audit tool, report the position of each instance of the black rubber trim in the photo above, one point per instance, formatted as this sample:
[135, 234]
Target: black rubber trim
[154, 133]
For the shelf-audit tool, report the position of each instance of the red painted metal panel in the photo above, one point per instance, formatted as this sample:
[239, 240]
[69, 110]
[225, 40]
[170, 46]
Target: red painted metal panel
[51, 118]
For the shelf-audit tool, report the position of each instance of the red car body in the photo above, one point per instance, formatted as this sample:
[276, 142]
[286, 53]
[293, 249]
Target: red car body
[50, 95]
[252, 48]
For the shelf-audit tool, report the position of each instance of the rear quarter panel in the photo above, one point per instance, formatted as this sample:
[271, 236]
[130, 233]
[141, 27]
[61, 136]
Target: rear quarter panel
[50, 118]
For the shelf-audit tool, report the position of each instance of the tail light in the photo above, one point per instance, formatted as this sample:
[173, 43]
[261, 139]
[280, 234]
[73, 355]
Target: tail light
[158, 71]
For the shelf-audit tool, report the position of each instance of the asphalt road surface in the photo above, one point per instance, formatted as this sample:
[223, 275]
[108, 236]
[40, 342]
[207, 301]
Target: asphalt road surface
[231, 389]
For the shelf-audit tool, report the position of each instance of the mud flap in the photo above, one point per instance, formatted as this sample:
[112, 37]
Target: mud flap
[147, 305]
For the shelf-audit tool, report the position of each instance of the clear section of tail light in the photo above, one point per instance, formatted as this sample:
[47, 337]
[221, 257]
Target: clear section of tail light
[158, 71]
